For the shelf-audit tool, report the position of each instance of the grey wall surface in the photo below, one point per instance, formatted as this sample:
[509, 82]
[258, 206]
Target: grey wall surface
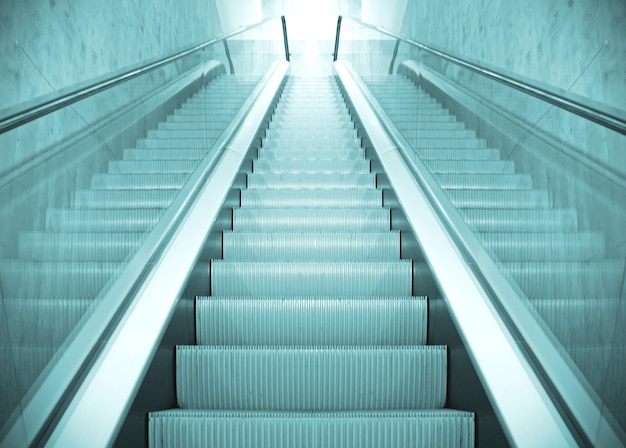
[48, 45]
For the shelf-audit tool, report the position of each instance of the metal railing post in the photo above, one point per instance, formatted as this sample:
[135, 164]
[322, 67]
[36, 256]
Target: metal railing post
[287, 55]
[337, 39]
[230, 61]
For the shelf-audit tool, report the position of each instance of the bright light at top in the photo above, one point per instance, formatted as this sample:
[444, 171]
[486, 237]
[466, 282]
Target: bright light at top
[312, 20]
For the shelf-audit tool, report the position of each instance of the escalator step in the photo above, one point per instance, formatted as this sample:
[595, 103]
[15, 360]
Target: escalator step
[458, 154]
[376, 219]
[77, 246]
[580, 322]
[304, 279]
[41, 279]
[196, 126]
[521, 220]
[101, 220]
[312, 198]
[175, 143]
[318, 246]
[311, 321]
[479, 181]
[471, 166]
[363, 429]
[103, 199]
[520, 199]
[312, 378]
[311, 153]
[184, 134]
[316, 180]
[311, 166]
[43, 322]
[545, 246]
[447, 143]
[568, 280]
[138, 181]
[152, 166]
[182, 153]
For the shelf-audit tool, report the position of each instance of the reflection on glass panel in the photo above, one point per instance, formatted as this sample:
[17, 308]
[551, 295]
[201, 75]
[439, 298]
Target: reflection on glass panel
[546, 199]
[81, 189]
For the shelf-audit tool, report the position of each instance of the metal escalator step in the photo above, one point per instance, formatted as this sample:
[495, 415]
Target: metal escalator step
[151, 166]
[306, 278]
[311, 166]
[363, 429]
[429, 125]
[316, 180]
[175, 143]
[457, 154]
[103, 220]
[409, 117]
[568, 280]
[307, 246]
[199, 117]
[484, 181]
[311, 321]
[499, 198]
[41, 279]
[288, 122]
[447, 143]
[471, 166]
[77, 246]
[521, 220]
[124, 198]
[426, 134]
[303, 131]
[184, 134]
[42, 322]
[286, 145]
[311, 198]
[565, 246]
[311, 378]
[138, 181]
[303, 152]
[376, 219]
[166, 154]
[196, 126]
[580, 322]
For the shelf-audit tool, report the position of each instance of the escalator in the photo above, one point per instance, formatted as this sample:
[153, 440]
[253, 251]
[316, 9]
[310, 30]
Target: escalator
[311, 335]
[59, 273]
[564, 271]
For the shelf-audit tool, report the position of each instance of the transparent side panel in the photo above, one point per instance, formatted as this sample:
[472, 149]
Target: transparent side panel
[81, 188]
[543, 189]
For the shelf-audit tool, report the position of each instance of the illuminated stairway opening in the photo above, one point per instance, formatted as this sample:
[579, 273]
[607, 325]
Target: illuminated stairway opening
[311, 336]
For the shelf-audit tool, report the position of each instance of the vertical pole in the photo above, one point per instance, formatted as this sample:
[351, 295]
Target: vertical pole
[282, 18]
[393, 58]
[337, 39]
[230, 61]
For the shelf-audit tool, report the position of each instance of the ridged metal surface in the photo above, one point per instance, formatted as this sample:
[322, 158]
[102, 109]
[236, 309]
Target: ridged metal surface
[311, 378]
[305, 278]
[305, 219]
[301, 246]
[63, 268]
[307, 198]
[562, 270]
[311, 321]
[311, 306]
[313, 180]
[395, 429]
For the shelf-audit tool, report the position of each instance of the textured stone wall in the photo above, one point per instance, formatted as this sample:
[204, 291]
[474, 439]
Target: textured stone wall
[48, 45]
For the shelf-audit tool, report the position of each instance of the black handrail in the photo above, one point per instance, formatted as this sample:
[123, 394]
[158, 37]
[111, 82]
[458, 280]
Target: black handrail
[287, 54]
[49, 105]
[336, 52]
[607, 119]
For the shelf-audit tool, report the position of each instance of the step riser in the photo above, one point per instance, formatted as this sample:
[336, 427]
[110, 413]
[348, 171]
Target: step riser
[303, 279]
[319, 322]
[320, 379]
[311, 246]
